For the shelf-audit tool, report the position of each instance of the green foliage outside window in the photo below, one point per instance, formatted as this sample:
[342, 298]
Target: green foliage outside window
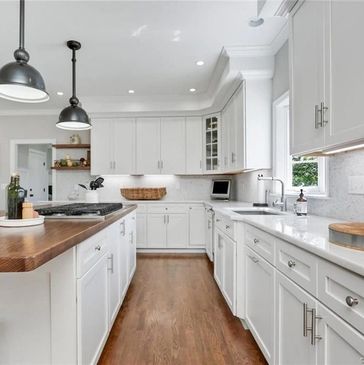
[305, 173]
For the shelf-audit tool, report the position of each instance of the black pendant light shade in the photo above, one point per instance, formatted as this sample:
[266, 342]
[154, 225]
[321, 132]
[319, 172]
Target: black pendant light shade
[18, 80]
[74, 117]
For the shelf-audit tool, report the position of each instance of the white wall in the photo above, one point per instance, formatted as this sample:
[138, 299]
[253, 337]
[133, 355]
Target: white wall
[30, 127]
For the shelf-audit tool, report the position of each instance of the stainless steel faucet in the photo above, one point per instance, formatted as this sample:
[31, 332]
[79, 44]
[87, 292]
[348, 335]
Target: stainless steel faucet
[282, 202]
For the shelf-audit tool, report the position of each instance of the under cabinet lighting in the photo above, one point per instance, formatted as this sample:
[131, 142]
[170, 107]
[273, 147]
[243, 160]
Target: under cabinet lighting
[344, 149]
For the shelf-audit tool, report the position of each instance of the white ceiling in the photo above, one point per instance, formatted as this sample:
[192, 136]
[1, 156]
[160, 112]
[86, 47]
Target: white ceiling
[150, 46]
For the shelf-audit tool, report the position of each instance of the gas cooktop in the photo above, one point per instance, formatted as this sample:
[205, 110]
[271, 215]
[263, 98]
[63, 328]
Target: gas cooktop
[80, 210]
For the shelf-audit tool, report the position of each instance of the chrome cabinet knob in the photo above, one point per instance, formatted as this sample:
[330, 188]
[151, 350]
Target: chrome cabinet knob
[350, 301]
[255, 240]
[291, 263]
[98, 248]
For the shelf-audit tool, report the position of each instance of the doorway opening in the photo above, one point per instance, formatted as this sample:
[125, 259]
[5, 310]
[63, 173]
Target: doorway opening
[32, 160]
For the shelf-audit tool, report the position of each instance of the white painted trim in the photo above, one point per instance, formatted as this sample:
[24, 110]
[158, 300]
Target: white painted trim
[14, 156]
[171, 250]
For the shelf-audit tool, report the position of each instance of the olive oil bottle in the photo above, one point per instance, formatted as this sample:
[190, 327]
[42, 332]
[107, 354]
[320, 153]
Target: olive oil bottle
[15, 198]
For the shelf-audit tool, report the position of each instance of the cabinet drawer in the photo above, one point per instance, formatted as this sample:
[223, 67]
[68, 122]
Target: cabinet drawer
[297, 264]
[343, 292]
[90, 251]
[226, 225]
[260, 242]
[168, 208]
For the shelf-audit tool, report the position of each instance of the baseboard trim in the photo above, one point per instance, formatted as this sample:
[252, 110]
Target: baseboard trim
[171, 250]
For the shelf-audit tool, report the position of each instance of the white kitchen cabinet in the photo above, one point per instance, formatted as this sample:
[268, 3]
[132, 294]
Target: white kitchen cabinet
[306, 75]
[260, 309]
[131, 236]
[344, 76]
[177, 230]
[114, 274]
[121, 233]
[141, 230]
[209, 233]
[225, 267]
[93, 312]
[102, 147]
[196, 216]
[194, 145]
[112, 152]
[212, 143]
[326, 75]
[157, 234]
[338, 342]
[148, 146]
[293, 322]
[173, 146]
[123, 136]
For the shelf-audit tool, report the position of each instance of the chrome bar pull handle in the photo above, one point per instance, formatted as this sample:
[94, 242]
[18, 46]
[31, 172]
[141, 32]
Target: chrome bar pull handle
[314, 336]
[317, 122]
[111, 258]
[304, 320]
[323, 111]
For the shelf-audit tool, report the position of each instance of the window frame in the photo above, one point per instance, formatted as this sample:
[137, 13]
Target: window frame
[280, 111]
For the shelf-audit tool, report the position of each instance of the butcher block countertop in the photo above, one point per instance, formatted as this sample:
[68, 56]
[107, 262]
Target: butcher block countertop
[25, 249]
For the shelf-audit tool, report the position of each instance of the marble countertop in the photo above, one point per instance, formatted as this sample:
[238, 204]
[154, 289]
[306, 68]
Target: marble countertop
[310, 233]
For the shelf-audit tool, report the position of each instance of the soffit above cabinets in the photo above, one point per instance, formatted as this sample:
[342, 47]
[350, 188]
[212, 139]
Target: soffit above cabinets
[150, 47]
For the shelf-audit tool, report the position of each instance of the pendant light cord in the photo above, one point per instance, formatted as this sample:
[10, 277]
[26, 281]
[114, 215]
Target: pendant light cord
[74, 74]
[21, 24]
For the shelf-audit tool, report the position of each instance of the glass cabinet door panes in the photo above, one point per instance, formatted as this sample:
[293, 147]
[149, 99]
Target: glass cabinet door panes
[212, 143]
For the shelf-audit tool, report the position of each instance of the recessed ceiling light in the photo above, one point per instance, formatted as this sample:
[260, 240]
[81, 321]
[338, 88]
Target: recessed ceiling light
[200, 63]
[131, 91]
[192, 90]
[60, 93]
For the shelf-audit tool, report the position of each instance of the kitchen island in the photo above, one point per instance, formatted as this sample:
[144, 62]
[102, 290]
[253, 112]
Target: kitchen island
[62, 285]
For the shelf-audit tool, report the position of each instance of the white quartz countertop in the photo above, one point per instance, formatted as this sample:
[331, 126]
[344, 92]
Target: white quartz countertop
[310, 233]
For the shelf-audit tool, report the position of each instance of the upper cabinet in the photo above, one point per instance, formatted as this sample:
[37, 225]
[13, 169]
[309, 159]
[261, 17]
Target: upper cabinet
[194, 145]
[113, 146]
[173, 146]
[148, 150]
[212, 143]
[326, 75]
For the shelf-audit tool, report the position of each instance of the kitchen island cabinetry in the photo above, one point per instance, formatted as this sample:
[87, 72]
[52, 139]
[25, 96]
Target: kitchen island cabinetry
[63, 310]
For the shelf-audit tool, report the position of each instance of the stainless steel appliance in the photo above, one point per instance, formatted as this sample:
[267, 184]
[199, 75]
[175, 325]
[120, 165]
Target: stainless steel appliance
[80, 210]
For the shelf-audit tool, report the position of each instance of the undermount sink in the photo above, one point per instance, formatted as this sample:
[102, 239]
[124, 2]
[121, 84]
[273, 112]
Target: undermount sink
[255, 212]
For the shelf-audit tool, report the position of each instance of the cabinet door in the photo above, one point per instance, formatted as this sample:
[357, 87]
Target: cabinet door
[218, 258]
[260, 302]
[148, 146]
[157, 231]
[177, 230]
[340, 343]
[141, 230]
[212, 143]
[193, 145]
[173, 146]
[229, 272]
[92, 312]
[237, 137]
[114, 273]
[131, 229]
[344, 71]
[225, 133]
[124, 252]
[306, 75]
[292, 347]
[197, 226]
[102, 147]
[209, 237]
[124, 146]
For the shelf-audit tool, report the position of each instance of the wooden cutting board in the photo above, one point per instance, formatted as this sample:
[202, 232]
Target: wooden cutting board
[348, 234]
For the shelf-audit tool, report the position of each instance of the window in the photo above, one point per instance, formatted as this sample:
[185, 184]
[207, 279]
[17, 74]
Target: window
[298, 172]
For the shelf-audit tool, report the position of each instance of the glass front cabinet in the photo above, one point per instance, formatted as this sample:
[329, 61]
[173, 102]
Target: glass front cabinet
[212, 142]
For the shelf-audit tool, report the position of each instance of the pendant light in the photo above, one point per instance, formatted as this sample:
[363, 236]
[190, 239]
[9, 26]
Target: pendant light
[18, 80]
[74, 117]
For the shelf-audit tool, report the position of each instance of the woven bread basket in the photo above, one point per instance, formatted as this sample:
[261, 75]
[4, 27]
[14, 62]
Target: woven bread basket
[143, 193]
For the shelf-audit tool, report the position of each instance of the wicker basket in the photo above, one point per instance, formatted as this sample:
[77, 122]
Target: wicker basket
[143, 193]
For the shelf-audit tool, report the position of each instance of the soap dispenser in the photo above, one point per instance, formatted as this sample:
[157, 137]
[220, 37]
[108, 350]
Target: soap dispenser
[300, 206]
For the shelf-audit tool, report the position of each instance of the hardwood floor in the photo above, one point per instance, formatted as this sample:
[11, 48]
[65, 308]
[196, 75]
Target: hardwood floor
[175, 314]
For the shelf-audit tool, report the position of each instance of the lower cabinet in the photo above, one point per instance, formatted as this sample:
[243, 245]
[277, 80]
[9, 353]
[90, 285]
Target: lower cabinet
[225, 267]
[209, 234]
[170, 226]
[294, 319]
[260, 277]
[92, 312]
[131, 235]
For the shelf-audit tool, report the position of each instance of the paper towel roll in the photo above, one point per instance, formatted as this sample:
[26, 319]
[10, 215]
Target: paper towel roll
[261, 192]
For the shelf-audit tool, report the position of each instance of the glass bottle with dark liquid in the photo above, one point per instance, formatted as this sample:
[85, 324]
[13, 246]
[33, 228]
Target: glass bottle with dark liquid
[15, 198]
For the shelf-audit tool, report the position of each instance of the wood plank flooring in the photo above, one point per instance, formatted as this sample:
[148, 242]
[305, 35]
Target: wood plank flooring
[175, 314]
